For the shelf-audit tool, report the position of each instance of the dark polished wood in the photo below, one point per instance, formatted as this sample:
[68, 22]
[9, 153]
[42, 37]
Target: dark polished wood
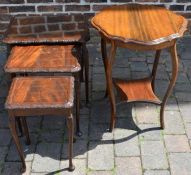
[136, 90]
[140, 24]
[138, 27]
[47, 59]
[29, 96]
[49, 30]
[43, 58]
[37, 92]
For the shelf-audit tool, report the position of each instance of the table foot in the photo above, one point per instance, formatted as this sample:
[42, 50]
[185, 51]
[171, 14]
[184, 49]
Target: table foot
[23, 169]
[71, 168]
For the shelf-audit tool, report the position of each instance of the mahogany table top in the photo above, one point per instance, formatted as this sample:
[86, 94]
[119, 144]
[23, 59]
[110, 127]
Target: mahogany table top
[140, 24]
[41, 92]
[43, 58]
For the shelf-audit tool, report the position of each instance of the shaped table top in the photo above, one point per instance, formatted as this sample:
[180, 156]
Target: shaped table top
[46, 29]
[41, 92]
[141, 24]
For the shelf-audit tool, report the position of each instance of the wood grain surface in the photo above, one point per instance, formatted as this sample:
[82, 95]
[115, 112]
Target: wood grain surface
[41, 92]
[43, 58]
[136, 90]
[141, 24]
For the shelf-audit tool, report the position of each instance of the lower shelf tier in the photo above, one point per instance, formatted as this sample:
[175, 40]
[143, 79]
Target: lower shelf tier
[139, 90]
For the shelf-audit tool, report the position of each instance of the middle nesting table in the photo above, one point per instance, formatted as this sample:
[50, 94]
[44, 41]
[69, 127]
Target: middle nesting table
[47, 59]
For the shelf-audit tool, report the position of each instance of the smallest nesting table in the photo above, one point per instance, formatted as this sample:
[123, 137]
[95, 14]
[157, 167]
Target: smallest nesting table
[138, 27]
[29, 96]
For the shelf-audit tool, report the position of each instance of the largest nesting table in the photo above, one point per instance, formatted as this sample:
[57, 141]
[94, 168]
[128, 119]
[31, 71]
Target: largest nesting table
[142, 28]
[60, 29]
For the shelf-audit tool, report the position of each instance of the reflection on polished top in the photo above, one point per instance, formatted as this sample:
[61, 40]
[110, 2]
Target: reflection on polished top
[43, 58]
[41, 92]
[44, 29]
[141, 24]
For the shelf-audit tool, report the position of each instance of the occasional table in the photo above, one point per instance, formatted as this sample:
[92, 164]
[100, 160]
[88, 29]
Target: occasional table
[141, 28]
[58, 29]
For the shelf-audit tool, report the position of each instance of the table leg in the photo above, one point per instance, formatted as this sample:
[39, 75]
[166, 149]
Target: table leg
[12, 126]
[174, 59]
[154, 71]
[26, 131]
[70, 141]
[109, 62]
[104, 55]
[77, 99]
[86, 68]
[19, 124]
[81, 62]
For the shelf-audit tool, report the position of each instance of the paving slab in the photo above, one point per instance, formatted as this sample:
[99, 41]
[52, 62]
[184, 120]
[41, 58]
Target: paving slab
[5, 137]
[101, 156]
[177, 143]
[156, 172]
[146, 113]
[128, 165]
[173, 123]
[153, 155]
[180, 163]
[80, 149]
[100, 173]
[47, 157]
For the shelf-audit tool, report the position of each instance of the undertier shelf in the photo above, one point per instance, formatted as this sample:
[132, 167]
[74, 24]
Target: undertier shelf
[139, 90]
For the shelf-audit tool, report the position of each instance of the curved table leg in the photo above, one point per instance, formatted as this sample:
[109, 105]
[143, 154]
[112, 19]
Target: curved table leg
[109, 62]
[154, 71]
[104, 55]
[18, 120]
[174, 59]
[12, 126]
[26, 131]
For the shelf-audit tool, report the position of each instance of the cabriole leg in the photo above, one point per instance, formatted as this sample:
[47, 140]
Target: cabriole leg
[109, 62]
[12, 126]
[26, 131]
[174, 59]
[104, 55]
[154, 71]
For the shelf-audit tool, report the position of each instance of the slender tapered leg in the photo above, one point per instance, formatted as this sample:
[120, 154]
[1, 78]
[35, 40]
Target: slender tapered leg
[12, 126]
[19, 124]
[26, 131]
[13, 75]
[81, 63]
[77, 98]
[104, 55]
[70, 142]
[109, 62]
[154, 71]
[86, 66]
[174, 59]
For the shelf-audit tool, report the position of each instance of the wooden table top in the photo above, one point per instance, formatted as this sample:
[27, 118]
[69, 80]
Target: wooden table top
[41, 92]
[140, 24]
[43, 58]
[46, 29]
